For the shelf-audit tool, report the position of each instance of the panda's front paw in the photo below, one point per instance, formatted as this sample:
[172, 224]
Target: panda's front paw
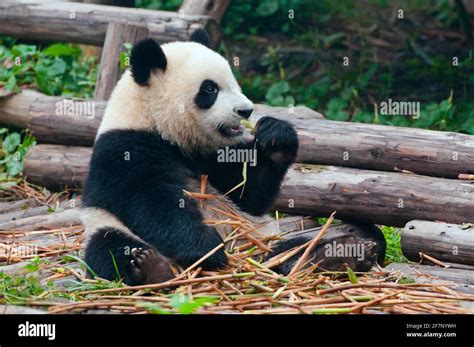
[277, 139]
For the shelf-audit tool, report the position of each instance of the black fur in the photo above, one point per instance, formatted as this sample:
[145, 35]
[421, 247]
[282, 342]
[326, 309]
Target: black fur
[275, 139]
[207, 94]
[370, 236]
[146, 56]
[139, 178]
[114, 255]
[200, 36]
[145, 193]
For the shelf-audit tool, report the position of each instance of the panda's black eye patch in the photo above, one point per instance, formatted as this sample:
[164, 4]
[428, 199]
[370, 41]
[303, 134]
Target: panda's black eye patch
[207, 94]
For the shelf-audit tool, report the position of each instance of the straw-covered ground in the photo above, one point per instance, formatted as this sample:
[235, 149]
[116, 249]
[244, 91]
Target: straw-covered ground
[41, 268]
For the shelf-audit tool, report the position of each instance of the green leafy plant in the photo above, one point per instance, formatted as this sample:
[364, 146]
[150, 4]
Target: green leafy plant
[13, 149]
[185, 305]
[278, 94]
[394, 250]
[17, 289]
[35, 264]
[59, 69]
[180, 303]
[254, 17]
[22, 288]
[336, 109]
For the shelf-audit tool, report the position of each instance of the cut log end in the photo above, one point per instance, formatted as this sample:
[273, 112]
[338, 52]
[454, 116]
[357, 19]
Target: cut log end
[442, 241]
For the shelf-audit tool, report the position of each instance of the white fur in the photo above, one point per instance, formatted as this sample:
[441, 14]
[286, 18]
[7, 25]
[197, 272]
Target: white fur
[167, 104]
[95, 219]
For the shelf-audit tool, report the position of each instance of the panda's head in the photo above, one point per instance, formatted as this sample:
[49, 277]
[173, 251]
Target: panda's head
[185, 91]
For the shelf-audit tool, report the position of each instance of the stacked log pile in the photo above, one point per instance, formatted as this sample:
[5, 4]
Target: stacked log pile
[389, 175]
[379, 174]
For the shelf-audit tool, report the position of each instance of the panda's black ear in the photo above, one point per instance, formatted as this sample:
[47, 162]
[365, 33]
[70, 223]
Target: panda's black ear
[146, 56]
[202, 37]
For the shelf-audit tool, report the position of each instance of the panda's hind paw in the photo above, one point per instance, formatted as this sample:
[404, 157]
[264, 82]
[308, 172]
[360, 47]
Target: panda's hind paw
[149, 266]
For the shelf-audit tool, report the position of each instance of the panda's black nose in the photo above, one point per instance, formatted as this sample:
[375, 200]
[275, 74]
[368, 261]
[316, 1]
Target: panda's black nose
[245, 113]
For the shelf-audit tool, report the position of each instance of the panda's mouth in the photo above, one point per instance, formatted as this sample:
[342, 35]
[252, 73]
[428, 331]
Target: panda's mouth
[231, 130]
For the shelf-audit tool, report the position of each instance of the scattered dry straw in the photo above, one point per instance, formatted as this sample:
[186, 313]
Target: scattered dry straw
[248, 285]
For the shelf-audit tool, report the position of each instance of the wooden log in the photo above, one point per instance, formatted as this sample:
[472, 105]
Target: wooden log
[12, 206]
[443, 241]
[57, 166]
[367, 146]
[378, 197]
[109, 72]
[211, 8]
[462, 279]
[54, 220]
[459, 266]
[386, 148]
[293, 224]
[30, 212]
[15, 109]
[23, 212]
[53, 119]
[87, 23]
[65, 121]
[451, 274]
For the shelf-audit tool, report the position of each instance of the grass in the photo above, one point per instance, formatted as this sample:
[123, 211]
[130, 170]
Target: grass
[21, 289]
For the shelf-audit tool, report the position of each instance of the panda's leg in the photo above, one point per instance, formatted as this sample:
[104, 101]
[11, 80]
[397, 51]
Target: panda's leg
[113, 254]
[364, 246]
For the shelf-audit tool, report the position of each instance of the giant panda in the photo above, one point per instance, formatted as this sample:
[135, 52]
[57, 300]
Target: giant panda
[168, 115]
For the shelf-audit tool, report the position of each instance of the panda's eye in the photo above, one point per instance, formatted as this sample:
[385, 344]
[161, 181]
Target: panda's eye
[210, 89]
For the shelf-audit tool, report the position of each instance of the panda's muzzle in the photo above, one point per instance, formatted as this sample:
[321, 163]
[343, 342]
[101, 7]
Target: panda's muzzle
[234, 128]
[231, 130]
